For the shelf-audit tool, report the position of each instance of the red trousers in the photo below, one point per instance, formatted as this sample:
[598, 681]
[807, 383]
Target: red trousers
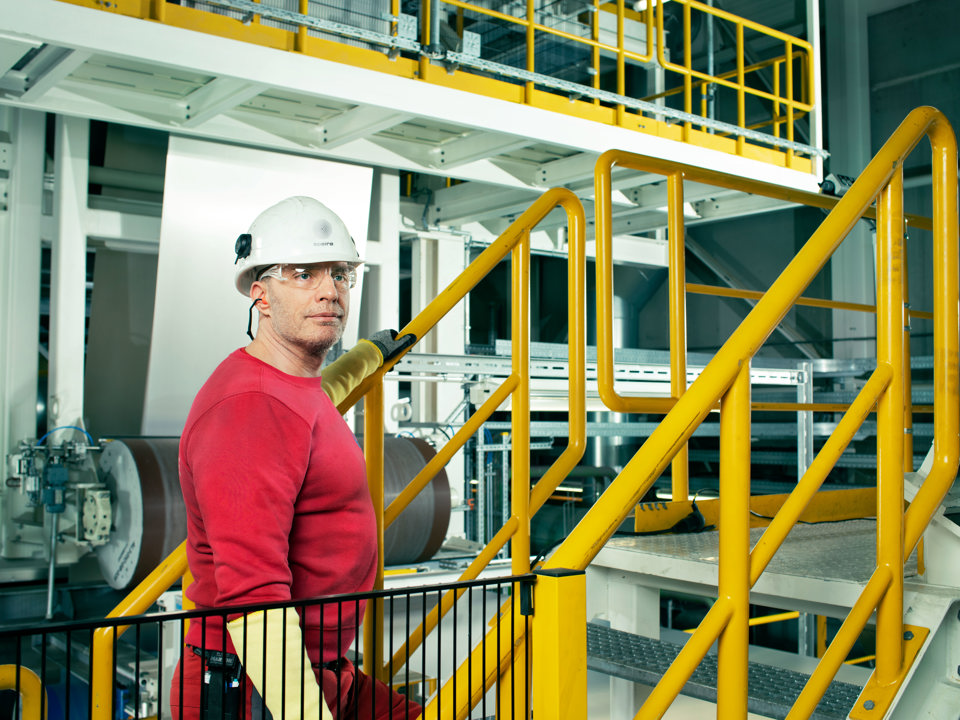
[349, 693]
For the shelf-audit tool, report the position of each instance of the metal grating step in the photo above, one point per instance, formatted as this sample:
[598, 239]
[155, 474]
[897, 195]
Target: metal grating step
[771, 690]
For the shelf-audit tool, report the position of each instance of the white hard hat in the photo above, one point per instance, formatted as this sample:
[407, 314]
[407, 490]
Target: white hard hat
[295, 230]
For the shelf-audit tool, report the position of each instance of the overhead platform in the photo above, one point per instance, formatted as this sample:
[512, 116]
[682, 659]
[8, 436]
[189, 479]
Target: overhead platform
[62, 57]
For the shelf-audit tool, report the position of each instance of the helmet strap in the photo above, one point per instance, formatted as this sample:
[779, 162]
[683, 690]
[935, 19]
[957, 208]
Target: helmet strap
[250, 318]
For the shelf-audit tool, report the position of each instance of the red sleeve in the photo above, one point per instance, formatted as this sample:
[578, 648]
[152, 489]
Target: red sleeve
[248, 456]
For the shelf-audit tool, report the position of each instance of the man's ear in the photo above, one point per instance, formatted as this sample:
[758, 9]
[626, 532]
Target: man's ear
[258, 295]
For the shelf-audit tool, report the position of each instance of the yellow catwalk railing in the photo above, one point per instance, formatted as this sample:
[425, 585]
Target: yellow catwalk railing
[780, 88]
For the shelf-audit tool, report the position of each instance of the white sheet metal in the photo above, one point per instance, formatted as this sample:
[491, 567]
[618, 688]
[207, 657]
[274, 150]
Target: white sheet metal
[212, 193]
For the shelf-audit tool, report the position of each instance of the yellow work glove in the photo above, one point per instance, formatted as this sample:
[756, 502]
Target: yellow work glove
[270, 646]
[346, 372]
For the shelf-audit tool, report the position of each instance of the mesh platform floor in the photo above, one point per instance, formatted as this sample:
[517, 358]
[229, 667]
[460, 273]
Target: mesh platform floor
[828, 551]
[771, 690]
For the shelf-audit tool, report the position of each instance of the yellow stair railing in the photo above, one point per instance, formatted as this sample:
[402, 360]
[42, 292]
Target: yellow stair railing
[726, 379]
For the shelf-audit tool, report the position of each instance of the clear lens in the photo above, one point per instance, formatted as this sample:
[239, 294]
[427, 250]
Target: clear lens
[310, 277]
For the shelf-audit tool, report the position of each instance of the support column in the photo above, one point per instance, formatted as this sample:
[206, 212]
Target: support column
[381, 285]
[20, 268]
[68, 281]
[851, 267]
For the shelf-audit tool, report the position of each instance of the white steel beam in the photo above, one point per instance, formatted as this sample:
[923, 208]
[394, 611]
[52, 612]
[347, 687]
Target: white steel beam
[216, 97]
[463, 203]
[12, 48]
[356, 123]
[20, 268]
[49, 68]
[68, 281]
[476, 146]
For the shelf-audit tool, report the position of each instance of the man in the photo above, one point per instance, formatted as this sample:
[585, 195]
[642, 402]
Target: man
[275, 488]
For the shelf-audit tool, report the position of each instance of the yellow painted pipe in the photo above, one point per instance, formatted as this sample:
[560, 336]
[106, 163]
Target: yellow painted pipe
[373, 454]
[946, 390]
[677, 293]
[520, 412]
[817, 472]
[734, 573]
[890, 323]
[32, 694]
[805, 301]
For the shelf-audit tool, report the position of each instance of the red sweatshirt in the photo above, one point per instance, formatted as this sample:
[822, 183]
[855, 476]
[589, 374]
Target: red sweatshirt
[277, 501]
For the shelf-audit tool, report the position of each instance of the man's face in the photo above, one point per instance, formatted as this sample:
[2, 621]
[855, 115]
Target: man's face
[308, 305]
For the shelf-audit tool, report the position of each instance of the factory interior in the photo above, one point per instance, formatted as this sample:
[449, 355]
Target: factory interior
[683, 276]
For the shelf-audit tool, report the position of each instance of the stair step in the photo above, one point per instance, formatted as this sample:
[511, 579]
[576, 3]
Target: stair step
[771, 690]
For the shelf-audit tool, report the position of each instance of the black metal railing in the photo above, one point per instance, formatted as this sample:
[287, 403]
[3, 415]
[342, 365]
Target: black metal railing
[148, 650]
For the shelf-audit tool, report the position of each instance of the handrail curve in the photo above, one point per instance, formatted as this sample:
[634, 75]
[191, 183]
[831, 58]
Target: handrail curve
[32, 693]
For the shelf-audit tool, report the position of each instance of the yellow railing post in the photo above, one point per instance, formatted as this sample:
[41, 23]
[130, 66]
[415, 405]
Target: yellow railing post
[734, 579]
[559, 660]
[531, 43]
[621, 60]
[514, 683]
[890, 322]
[373, 452]
[678, 319]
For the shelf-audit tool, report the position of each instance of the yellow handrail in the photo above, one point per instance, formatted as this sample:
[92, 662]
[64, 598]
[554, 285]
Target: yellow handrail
[725, 373]
[32, 693]
[138, 601]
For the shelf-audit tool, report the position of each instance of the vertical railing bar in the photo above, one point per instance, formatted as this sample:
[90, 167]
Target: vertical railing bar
[483, 655]
[741, 83]
[136, 671]
[43, 675]
[423, 647]
[621, 62]
[890, 409]
[183, 635]
[390, 671]
[406, 664]
[160, 678]
[455, 662]
[69, 676]
[687, 76]
[907, 365]
[339, 646]
[678, 324]
[531, 42]
[734, 530]
[776, 102]
[440, 651]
